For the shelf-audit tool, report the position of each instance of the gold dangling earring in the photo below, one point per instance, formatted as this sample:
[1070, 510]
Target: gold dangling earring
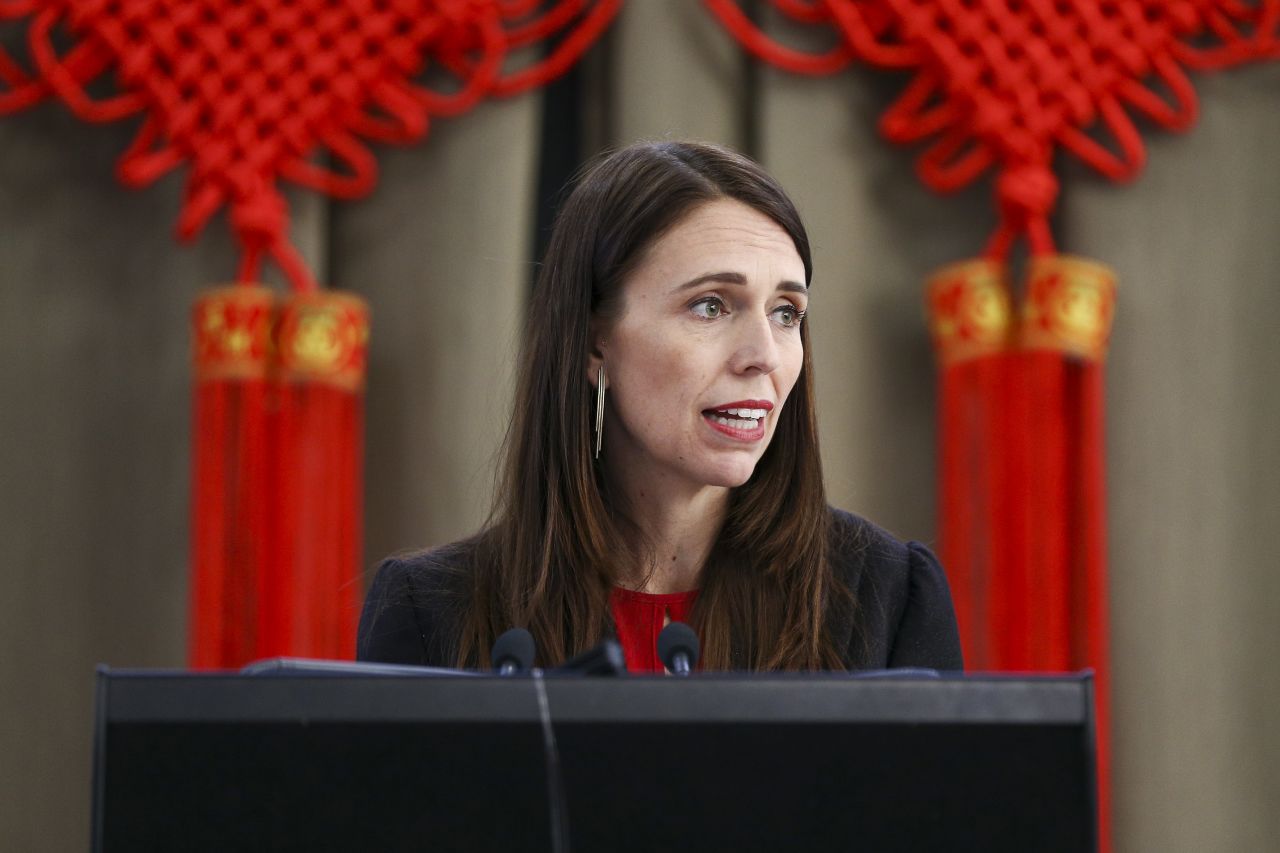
[599, 407]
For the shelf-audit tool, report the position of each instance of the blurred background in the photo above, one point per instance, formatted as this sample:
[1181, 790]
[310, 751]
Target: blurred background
[95, 384]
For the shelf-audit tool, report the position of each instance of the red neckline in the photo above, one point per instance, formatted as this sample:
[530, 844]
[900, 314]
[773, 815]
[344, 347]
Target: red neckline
[655, 597]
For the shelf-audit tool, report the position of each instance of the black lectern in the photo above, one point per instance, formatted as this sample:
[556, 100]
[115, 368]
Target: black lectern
[329, 760]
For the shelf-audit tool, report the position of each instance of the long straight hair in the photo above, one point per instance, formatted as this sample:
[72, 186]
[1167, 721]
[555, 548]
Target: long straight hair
[555, 541]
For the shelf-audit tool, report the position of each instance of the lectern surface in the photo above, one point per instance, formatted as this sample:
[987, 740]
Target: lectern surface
[333, 762]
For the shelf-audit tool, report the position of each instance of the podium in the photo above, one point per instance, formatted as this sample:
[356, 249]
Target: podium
[386, 758]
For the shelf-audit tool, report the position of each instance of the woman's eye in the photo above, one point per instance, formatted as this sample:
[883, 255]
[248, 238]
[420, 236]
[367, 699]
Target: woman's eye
[709, 308]
[788, 315]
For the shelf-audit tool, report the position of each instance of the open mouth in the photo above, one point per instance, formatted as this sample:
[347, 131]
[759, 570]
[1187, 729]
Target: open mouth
[742, 420]
[737, 418]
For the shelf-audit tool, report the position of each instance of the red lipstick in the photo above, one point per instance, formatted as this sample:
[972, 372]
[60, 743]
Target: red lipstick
[742, 404]
[725, 420]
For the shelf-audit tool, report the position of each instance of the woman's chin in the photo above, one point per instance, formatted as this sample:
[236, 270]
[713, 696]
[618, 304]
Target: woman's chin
[730, 476]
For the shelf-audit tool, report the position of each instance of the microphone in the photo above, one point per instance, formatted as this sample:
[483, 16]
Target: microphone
[513, 652]
[678, 648]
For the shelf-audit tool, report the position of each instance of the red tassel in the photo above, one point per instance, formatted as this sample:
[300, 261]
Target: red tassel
[970, 321]
[311, 589]
[1022, 480]
[230, 465]
[1009, 543]
[1065, 328]
[1091, 632]
[1043, 479]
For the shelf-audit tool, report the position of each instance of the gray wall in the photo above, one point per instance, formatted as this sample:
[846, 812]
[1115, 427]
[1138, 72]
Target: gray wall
[95, 390]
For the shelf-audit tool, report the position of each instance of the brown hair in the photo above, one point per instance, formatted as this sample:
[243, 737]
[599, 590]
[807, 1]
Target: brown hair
[546, 560]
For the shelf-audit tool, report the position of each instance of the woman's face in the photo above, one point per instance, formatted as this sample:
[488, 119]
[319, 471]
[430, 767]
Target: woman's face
[704, 349]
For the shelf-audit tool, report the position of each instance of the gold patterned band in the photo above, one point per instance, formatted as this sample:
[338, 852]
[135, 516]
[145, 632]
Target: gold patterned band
[323, 337]
[1069, 307]
[970, 310]
[232, 332]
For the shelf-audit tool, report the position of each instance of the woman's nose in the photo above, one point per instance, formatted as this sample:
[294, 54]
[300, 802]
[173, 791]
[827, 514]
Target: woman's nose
[756, 348]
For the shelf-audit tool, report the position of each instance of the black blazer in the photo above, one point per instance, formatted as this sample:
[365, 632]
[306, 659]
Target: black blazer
[903, 616]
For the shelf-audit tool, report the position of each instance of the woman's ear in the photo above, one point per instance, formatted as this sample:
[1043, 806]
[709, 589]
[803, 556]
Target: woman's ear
[595, 351]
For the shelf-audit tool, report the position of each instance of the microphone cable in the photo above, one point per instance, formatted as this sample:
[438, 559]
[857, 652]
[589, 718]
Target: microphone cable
[556, 804]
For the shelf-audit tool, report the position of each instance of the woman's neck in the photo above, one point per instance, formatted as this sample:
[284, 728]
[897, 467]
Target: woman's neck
[678, 525]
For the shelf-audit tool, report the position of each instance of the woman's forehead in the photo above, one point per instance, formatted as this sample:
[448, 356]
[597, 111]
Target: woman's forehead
[720, 232]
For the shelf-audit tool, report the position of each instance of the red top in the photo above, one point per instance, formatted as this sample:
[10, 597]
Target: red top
[640, 616]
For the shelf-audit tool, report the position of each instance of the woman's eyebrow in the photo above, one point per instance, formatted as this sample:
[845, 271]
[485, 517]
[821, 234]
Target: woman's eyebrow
[737, 278]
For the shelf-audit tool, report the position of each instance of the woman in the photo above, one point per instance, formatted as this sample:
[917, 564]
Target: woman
[662, 461]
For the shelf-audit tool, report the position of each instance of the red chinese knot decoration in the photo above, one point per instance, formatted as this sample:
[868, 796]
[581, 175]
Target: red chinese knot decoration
[1002, 86]
[247, 93]
[244, 94]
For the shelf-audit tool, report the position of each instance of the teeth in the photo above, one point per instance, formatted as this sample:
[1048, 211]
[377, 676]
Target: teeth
[737, 423]
[754, 414]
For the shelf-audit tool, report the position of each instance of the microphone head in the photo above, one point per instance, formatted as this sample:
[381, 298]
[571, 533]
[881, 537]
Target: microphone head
[514, 646]
[675, 638]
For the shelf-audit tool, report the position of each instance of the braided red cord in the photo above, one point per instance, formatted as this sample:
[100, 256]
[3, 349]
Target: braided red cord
[19, 88]
[1006, 83]
[763, 47]
[593, 23]
[248, 92]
